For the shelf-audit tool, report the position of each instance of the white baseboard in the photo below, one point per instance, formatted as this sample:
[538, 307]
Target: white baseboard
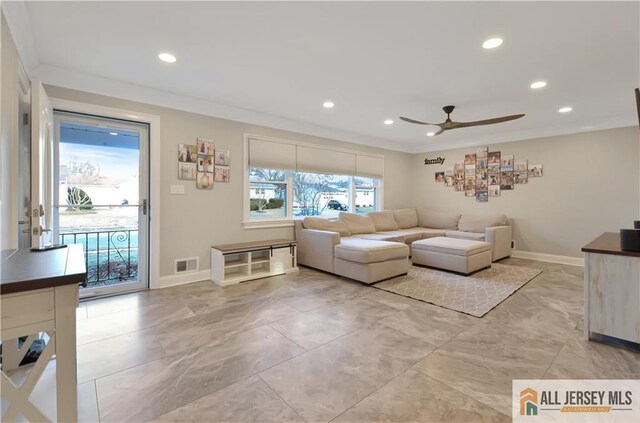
[182, 279]
[572, 261]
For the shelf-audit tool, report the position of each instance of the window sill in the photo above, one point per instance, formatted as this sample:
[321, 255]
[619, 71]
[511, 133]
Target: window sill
[256, 224]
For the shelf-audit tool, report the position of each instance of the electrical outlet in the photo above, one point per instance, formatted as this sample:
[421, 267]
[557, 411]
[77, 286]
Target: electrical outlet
[513, 244]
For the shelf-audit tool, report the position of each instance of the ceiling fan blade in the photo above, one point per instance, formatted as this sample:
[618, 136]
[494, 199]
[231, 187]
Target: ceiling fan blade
[417, 122]
[486, 121]
[439, 132]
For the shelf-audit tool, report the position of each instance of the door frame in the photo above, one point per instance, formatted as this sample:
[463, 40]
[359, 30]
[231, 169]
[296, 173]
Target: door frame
[153, 121]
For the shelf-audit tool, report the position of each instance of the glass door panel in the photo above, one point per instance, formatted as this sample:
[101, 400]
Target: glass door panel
[102, 186]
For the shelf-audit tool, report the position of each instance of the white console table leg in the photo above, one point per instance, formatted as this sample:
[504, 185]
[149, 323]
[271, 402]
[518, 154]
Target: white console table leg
[66, 373]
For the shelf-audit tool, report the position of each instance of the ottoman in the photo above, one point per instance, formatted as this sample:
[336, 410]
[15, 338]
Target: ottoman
[457, 255]
[370, 261]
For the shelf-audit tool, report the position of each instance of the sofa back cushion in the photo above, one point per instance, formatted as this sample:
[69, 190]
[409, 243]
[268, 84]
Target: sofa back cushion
[470, 223]
[323, 224]
[437, 220]
[383, 221]
[406, 218]
[357, 223]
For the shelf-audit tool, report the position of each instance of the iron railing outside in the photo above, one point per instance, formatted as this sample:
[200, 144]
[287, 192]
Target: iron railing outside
[111, 256]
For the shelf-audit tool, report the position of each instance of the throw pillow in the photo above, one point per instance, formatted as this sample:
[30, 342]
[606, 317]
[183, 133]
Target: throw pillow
[383, 221]
[357, 224]
[437, 220]
[469, 223]
[323, 224]
[406, 218]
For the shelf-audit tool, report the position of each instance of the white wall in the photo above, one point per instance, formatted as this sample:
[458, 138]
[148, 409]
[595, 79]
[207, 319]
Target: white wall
[590, 185]
[191, 223]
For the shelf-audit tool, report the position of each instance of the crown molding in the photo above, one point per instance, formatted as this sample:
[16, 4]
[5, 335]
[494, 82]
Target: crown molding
[66, 78]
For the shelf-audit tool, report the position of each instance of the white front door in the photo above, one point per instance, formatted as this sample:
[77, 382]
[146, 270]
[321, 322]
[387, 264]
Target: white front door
[41, 208]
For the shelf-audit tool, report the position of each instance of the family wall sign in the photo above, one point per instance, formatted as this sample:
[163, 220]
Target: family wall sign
[439, 160]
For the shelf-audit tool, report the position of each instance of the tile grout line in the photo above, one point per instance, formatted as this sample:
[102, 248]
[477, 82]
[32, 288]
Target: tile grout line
[281, 399]
[410, 367]
[460, 392]
[95, 390]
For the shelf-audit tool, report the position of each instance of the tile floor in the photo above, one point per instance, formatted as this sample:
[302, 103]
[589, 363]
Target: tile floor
[314, 347]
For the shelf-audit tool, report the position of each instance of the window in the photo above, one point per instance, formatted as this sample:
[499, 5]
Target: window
[267, 194]
[312, 194]
[286, 179]
[366, 194]
[318, 194]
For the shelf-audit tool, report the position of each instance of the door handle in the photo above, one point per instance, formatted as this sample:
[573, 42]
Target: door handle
[144, 206]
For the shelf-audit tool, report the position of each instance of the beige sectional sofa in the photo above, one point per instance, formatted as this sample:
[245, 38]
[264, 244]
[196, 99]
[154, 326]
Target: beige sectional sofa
[374, 246]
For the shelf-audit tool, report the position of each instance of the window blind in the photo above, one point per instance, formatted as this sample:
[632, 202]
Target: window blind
[271, 154]
[305, 158]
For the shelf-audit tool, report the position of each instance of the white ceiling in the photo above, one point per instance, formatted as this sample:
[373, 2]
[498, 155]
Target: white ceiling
[374, 60]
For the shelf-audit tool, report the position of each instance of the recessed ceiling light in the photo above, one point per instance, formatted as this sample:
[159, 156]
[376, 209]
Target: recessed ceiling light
[167, 57]
[328, 104]
[565, 109]
[538, 84]
[113, 133]
[388, 122]
[492, 43]
[430, 134]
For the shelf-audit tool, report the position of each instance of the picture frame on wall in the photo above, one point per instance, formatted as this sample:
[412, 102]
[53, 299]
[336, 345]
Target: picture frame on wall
[520, 177]
[221, 174]
[448, 178]
[494, 179]
[186, 171]
[520, 166]
[493, 157]
[535, 171]
[469, 159]
[222, 157]
[494, 190]
[482, 196]
[506, 180]
[205, 146]
[205, 163]
[439, 177]
[204, 180]
[506, 163]
[187, 153]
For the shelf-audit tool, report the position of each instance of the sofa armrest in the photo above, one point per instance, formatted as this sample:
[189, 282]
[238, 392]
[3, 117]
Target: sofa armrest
[315, 248]
[500, 239]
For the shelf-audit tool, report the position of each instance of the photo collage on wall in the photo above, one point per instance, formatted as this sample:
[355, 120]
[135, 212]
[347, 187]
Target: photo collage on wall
[203, 163]
[485, 174]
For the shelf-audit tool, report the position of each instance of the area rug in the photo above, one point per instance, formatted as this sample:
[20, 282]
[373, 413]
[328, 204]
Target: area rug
[475, 295]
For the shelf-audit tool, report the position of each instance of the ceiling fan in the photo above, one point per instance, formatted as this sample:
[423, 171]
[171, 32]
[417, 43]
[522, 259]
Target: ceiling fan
[449, 124]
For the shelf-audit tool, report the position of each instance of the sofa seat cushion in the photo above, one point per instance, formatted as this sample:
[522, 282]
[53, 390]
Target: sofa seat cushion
[323, 224]
[393, 236]
[465, 235]
[423, 232]
[454, 246]
[383, 221]
[357, 223]
[370, 251]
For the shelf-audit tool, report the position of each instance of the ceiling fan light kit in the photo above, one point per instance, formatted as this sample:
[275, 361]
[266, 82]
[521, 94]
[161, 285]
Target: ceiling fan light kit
[449, 124]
